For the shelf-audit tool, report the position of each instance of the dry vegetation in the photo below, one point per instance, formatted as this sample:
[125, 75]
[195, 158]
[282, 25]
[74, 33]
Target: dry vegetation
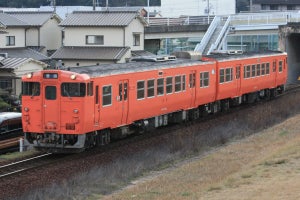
[263, 166]
[233, 156]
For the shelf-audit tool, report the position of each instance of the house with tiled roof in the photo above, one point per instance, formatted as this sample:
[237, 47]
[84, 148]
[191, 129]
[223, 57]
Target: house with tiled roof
[11, 71]
[42, 30]
[96, 37]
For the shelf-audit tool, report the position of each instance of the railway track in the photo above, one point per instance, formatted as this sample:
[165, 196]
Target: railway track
[27, 164]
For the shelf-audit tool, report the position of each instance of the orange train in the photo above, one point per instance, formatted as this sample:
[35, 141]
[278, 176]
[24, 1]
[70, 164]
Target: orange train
[71, 110]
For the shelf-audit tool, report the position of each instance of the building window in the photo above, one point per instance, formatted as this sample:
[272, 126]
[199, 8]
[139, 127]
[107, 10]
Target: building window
[10, 41]
[274, 7]
[5, 83]
[106, 95]
[204, 79]
[140, 89]
[136, 39]
[94, 39]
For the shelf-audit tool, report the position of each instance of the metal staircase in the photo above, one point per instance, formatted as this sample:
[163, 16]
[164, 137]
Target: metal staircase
[215, 36]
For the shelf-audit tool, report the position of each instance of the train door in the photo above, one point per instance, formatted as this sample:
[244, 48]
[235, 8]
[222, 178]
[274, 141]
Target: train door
[123, 100]
[51, 106]
[238, 79]
[192, 86]
[97, 106]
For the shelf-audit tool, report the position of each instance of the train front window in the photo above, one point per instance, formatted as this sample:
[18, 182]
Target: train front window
[73, 89]
[31, 88]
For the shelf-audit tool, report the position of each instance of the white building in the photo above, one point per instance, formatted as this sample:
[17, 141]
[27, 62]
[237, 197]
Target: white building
[176, 8]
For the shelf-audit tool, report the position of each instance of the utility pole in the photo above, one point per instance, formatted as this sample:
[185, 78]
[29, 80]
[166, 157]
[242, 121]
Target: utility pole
[251, 4]
[94, 5]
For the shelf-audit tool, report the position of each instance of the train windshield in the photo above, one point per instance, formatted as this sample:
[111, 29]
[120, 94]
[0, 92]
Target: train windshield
[73, 89]
[31, 88]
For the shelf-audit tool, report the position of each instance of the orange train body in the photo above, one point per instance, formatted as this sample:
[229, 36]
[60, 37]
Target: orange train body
[66, 111]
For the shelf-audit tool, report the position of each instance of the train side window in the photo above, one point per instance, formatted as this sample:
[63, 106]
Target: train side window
[263, 69]
[258, 69]
[253, 71]
[50, 92]
[177, 83]
[31, 88]
[106, 95]
[192, 80]
[183, 83]
[169, 85]
[150, 88]
[228, 74]
[238, 72]
[204, 79]
[222, 75]
[267, 68]
[280, 66]
[140, 89]
[160, 87]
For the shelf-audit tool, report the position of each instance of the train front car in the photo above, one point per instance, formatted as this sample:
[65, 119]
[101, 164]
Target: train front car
[54, 108]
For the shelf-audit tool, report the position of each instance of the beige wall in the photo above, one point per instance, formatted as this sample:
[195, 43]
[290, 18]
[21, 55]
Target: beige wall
[19, 34]
[134, 27]
[76, 36]
[32, 37]
[51, 35]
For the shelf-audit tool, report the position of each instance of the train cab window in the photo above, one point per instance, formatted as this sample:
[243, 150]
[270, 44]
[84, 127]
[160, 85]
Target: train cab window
[73, 89]
[31, 89]
[177, 83]
[50, 92]
[267, 68]
[140, 90]
[150, 88]
[169, 85]
[160, 87]
[280, 67]
[106, 95]
[204, 79]
[258, 70]
[263, 69]
[253, 71]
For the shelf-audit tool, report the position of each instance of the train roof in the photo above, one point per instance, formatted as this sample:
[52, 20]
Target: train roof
[238, 54]
[9, 115]
[148, 63]
[133, 66]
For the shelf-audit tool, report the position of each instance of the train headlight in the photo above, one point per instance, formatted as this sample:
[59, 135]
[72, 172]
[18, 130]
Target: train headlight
[73, 76]
[75, 111]
[29, 75]
[26, 109]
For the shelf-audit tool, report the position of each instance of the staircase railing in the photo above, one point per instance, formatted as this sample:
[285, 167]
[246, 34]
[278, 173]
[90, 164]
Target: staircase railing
[221, 37]
[212, 27]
